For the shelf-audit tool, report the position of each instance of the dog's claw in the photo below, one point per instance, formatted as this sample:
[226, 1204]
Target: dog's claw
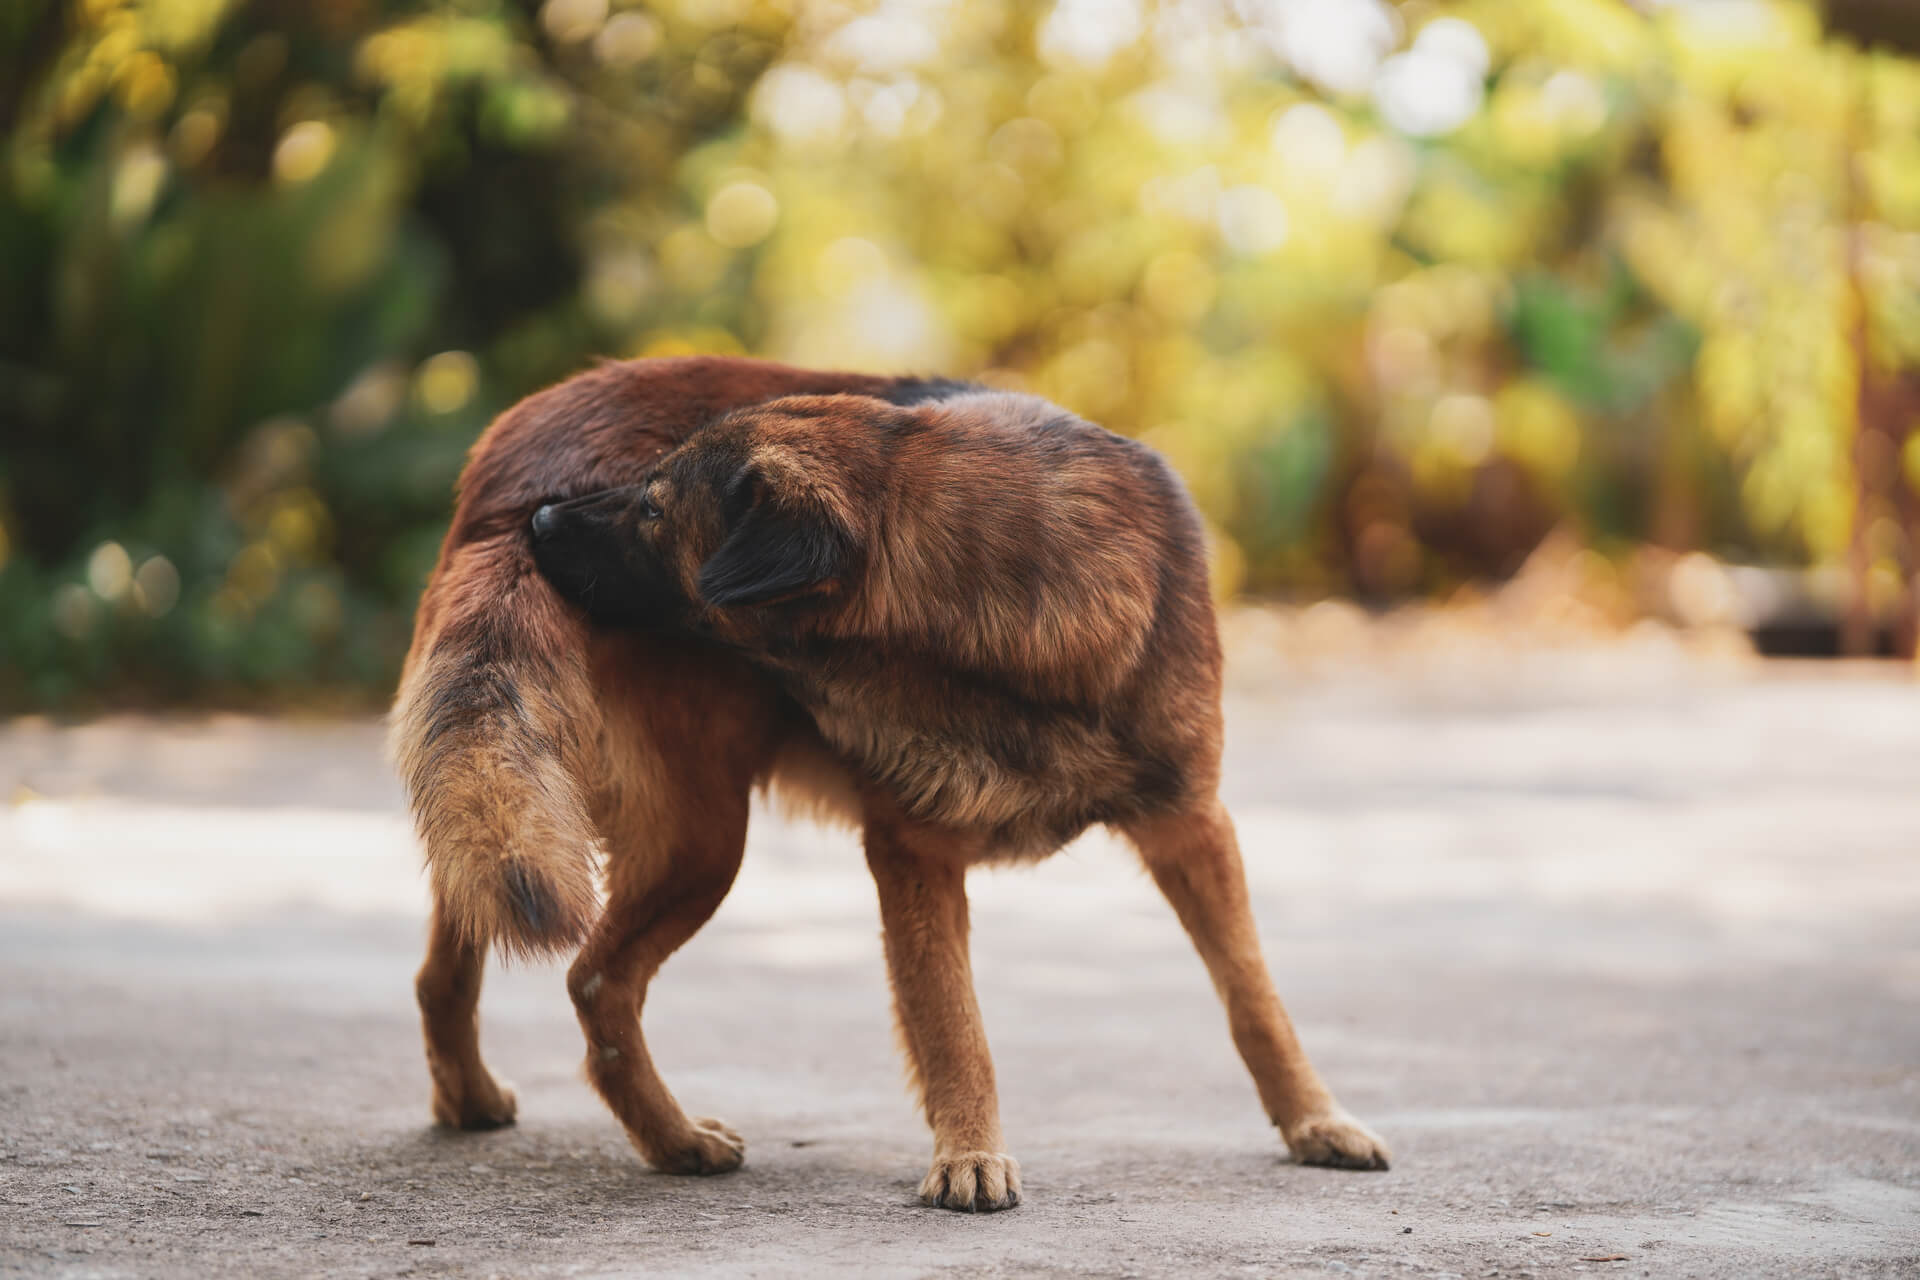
[1337, 1141]
[973, 1182]
[711, 1147]
[493, 1108]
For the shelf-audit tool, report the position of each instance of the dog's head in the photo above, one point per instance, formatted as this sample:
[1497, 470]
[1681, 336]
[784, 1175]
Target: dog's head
[753, 514]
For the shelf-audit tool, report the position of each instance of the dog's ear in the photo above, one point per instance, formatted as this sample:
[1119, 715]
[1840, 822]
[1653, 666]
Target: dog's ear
[771, 554]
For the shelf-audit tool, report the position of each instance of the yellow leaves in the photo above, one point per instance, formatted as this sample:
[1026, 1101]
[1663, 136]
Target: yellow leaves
[1100, 262]
[144, 85]
[691, 260]
[1826, 521]
[695, 341]
[1212, 414]
[1537, 428]
[1454, 218]
[180, 25]
[354, 239]
[1891, 169]
[1539, 114]
[1727, 380]
[102, 13]
[1179, 286]
[415, 60]
[1067, 102]
[845, 263]
[1603, 35]
[1226, 563]
[1092, 377]
[1027, 145]
[253, 574]
[195, 133]
[299, 526]
[1909, 459]
[988, 309]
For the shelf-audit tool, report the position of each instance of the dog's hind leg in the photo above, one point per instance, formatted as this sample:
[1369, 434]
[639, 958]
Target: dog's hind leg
[674, 823]
[920, 873]
[1195, 860]
[644, 923]
[494, 724]
[465, 1094]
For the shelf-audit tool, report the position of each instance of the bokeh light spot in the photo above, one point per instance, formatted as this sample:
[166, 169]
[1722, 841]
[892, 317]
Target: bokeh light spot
[741, 214]
[800, 105]
[194, 136]
[1252, 220]
[1462, 424]
[446, 382]
[571, 21]
[136, 185]
[109, 571]
[303, 152]
[1309, 139]
[156, 586]
[847, 262]
[627, 40]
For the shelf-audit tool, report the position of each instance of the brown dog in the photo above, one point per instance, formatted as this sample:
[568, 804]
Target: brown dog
[994, 614]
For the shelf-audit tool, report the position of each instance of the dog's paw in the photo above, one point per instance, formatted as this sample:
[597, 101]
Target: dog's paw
[490, 1107]
[973, 1182]
[711, 1147]
[1338, 1141]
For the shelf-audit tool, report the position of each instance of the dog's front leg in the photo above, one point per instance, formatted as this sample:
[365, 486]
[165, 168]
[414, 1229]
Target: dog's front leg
[920, 873]
[1195, 859]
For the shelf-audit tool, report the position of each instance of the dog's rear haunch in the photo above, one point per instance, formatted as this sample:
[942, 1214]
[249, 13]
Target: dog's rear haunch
[534, 739]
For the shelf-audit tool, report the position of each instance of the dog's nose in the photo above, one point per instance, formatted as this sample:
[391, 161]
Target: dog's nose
[545, 520]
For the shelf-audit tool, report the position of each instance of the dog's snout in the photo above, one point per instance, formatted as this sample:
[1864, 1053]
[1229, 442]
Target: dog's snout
[545, 520]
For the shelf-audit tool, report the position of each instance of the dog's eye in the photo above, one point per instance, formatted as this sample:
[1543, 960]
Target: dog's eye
[649, 509]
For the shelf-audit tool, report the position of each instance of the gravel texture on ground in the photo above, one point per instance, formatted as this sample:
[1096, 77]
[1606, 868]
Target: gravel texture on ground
[1620, 953]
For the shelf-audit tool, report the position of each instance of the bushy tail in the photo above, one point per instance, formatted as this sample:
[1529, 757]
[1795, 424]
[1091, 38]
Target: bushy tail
[490, 732]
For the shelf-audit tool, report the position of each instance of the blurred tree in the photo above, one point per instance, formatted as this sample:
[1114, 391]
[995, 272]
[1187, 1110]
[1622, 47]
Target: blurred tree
[1398, 288]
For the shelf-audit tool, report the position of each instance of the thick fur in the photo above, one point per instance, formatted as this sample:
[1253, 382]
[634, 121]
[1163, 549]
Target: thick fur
[967, 621]
[997, 617]
[497, 727]
[997, 613]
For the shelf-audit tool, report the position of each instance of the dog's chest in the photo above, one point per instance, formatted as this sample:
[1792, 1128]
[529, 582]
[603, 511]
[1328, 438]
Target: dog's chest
[965, 755]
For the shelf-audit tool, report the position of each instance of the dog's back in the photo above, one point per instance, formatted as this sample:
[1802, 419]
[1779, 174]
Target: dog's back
[498, 726]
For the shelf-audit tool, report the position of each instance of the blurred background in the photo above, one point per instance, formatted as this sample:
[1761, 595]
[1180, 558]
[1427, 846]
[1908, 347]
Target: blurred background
[1535, 363]
[1621, 298]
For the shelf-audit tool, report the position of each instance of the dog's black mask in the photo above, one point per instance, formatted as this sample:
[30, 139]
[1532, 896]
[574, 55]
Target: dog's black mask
[611, 554]
[597, 555]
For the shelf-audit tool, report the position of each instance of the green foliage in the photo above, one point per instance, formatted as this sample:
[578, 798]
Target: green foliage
[266, 271]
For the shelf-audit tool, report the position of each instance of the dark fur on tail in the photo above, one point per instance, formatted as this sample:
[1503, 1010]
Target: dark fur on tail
[490, 731]
[496, 729]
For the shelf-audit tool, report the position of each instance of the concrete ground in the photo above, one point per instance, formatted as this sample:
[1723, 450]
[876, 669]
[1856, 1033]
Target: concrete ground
[1622, 955]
